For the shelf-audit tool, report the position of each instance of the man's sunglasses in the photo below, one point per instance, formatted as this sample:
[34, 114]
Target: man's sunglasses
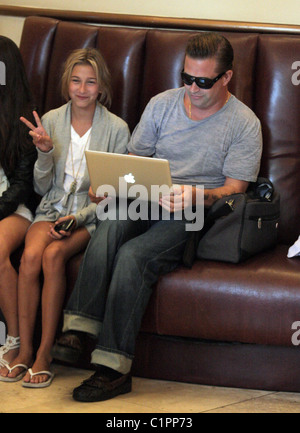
[203, 83]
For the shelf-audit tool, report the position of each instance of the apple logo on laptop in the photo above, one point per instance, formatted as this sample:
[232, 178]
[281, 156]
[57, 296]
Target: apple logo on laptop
[129, 178]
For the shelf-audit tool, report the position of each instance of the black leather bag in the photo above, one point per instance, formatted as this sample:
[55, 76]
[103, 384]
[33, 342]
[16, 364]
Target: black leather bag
[238, 226]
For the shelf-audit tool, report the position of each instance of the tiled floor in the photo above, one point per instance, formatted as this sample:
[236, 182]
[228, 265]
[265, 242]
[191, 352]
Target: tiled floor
[148, 396]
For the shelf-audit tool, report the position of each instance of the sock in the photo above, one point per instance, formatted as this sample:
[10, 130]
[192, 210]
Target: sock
[108, 372]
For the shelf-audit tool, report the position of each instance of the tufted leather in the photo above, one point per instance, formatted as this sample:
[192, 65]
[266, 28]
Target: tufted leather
[221, 314]
[144, 62]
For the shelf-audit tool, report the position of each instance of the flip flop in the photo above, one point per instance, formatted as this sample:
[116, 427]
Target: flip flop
[18, 377]
[3, 363]
[38, 385]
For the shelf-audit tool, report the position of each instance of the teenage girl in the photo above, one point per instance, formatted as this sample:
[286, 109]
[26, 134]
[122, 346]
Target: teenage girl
[61, 177]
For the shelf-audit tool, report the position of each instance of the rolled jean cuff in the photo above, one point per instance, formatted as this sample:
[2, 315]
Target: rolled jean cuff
[76, 322]
[116, 361]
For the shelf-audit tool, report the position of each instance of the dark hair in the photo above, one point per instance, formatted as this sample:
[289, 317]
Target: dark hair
[209, 44]
[15, 101]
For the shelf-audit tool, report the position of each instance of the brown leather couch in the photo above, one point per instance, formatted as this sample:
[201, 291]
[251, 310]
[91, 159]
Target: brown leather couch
[217, 323]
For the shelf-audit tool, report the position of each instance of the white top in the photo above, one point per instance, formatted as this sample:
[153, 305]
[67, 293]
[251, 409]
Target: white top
[77, 147]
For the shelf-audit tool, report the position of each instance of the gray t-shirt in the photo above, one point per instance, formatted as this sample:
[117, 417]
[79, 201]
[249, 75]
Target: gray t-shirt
[226, 144]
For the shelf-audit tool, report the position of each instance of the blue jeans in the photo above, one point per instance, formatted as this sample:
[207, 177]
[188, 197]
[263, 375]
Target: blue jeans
[121, 264]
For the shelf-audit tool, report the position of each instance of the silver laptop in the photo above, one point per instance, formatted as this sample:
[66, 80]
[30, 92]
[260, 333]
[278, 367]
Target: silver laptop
[128, 175]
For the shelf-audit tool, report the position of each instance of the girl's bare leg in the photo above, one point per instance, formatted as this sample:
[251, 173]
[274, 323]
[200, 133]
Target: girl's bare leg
[12, 233]
[55, 258]
[37, 239]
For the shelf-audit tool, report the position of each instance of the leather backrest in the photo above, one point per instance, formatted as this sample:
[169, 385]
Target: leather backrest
[36, 49]
[145, 61]
[164, 59]
[123, 50]
[277, 104]
[69, 36]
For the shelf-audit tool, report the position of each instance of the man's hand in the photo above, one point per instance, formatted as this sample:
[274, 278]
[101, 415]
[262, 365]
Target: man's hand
[94, 198]
[181, 197]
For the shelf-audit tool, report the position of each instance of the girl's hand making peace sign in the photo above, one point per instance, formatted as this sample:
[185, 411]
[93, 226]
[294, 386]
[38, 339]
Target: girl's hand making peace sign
[40, 137]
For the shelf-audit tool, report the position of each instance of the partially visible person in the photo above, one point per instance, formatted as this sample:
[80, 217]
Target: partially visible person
[61, 177]
[210, 138]
[17, 198]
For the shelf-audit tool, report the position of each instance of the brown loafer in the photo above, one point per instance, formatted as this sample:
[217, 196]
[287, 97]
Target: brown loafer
[69, 347]
[100, 388]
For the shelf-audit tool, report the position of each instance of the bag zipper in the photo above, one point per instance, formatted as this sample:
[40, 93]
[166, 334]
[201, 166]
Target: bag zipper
[261, 219]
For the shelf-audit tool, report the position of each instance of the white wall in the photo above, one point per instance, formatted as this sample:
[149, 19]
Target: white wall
[263, 11]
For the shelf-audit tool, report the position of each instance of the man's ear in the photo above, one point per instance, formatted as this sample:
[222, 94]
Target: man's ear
[227, 77]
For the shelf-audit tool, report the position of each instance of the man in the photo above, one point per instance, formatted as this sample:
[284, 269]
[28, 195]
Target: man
[210, 138]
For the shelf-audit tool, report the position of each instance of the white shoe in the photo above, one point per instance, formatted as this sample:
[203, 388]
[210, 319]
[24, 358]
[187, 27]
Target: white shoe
[10, 344]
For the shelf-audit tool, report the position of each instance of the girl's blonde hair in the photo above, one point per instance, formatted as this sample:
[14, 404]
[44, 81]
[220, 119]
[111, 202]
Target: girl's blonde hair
[92, 57]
